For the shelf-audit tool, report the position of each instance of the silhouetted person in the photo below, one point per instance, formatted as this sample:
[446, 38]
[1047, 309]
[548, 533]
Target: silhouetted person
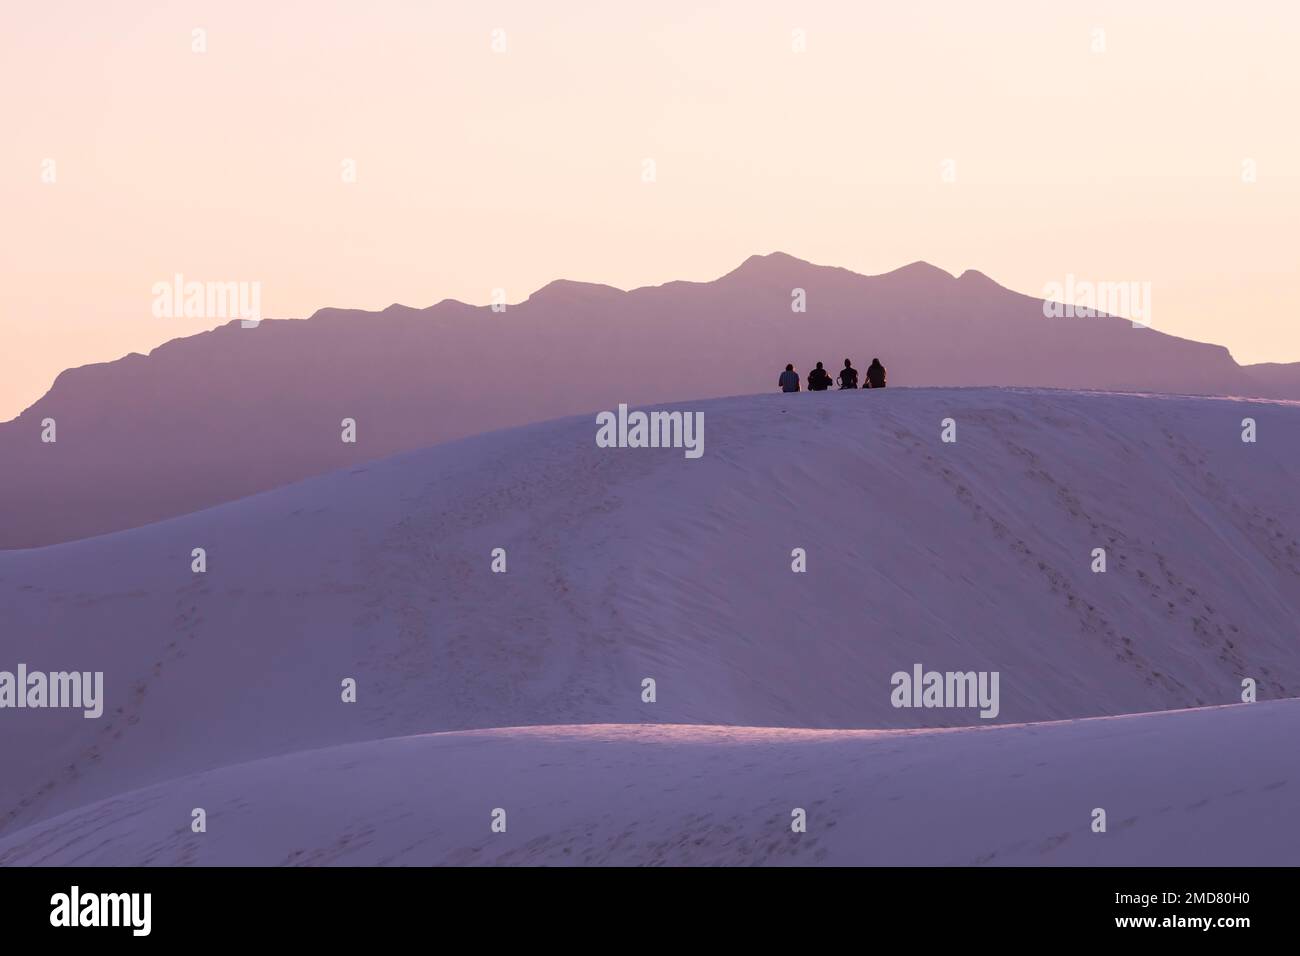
[848, 376]
[789, 380]
[818, 379]
[875, 374]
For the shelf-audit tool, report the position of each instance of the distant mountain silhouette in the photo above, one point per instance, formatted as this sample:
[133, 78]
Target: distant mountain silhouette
[1276, 379]
[234, 411]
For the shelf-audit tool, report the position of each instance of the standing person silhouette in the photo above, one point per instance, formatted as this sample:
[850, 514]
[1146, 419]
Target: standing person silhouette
[875, 374]
[789, 380]
[848, 376]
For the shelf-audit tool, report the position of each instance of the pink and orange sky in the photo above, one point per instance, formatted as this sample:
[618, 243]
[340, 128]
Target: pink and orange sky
[478, 169]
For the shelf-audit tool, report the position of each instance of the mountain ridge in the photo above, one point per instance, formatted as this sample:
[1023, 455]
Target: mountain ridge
[1281, 370]
[232, 411]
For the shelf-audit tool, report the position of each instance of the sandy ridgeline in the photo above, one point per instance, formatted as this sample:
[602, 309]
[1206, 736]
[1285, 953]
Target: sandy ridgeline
[820, 545]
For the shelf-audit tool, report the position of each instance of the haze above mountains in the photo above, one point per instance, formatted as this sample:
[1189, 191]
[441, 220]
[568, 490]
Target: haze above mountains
[236, 411]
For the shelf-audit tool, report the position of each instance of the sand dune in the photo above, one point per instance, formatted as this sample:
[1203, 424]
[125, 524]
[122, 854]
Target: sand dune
[1203, 787]
[625, 564]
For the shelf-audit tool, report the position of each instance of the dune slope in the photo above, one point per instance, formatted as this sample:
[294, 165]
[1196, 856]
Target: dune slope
[627, 564]
[1214, 786]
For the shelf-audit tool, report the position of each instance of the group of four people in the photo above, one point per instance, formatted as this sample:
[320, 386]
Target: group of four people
[819, 380]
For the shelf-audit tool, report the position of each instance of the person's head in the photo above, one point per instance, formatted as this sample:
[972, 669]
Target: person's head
[848, 364]
[789, 368]
[819, 364]
[875, 361]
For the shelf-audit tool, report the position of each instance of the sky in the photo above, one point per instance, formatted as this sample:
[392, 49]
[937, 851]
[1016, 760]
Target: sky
[355, 154]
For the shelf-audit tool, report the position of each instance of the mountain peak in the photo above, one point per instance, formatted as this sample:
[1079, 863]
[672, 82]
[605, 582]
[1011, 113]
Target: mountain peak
[921, 269]
[566, 289]
[773, 258]
[770, 264]
[975, 276]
